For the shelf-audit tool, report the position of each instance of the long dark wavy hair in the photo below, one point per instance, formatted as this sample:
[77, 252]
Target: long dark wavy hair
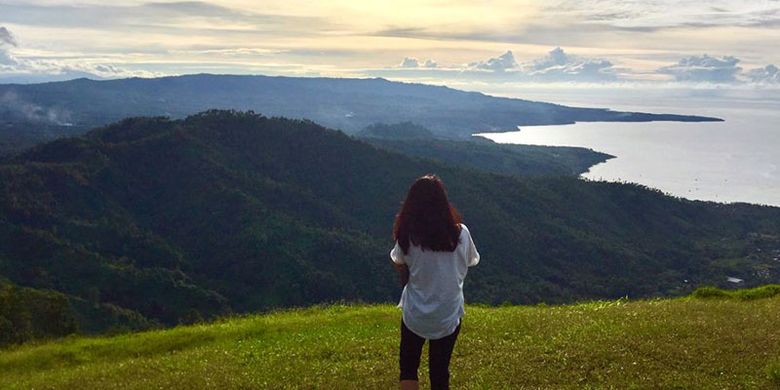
[427, 219]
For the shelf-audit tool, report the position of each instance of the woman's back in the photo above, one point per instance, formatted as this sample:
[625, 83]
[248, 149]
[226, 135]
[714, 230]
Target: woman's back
[432, 254]
[432, 300]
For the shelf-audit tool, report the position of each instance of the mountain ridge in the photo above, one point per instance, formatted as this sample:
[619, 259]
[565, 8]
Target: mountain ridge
[33, 113]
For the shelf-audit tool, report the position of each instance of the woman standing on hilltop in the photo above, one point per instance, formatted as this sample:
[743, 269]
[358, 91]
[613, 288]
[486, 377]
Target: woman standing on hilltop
[432, 253]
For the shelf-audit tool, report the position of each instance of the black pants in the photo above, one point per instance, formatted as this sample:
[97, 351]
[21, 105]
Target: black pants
[439, 354]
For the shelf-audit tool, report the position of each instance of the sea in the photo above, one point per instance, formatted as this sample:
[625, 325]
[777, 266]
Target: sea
[737, 160]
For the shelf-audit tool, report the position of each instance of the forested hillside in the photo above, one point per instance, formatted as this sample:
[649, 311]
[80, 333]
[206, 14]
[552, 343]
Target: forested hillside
[481, 153]
[152, 220]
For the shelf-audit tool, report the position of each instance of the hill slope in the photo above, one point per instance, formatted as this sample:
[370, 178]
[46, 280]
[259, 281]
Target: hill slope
[481, 153]
[40, 112]
[157, 221]
[681, 343]
[488, 156]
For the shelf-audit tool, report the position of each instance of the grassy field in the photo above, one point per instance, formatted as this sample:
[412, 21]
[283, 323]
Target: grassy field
[710, 341]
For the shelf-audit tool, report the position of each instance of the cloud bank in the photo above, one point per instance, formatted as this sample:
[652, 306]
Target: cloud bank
[411, 62]
[16, 69]
[559, 66]
[556, 66]
[11, 104]
[6, 38]
[501, 63]
[769, 74]
[344, 38]
[704, 68]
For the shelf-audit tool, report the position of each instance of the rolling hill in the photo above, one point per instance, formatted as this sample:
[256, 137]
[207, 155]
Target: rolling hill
[153, 221]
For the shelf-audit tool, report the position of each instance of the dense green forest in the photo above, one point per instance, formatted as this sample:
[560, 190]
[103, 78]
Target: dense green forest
[482, 153]
[396, 131]
[27, 313]
[153, 221]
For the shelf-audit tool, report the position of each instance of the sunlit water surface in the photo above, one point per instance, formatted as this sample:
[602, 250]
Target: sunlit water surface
[733, 161]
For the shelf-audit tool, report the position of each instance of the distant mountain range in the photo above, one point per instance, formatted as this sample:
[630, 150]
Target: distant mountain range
[158, 221]
[33, 113]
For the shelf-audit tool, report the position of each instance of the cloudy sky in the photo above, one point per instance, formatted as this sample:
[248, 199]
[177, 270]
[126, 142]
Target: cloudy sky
[587, 41]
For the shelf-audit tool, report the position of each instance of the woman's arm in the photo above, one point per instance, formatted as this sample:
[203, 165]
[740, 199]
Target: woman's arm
[397, 256]
[403, 273]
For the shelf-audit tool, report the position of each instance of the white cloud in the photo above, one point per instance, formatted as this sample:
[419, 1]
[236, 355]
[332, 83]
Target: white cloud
[170, 16]
[650, 15]
[411, 62]
[38, 70]
[171, 36]
[6, 58]
[560, 66]
[6, 38]
[11, 103]
[556, 66]
[501, 63]
[719, 70]
[704, 68]
[769, 74]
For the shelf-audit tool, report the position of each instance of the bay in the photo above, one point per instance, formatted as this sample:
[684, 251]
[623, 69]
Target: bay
[737, 160]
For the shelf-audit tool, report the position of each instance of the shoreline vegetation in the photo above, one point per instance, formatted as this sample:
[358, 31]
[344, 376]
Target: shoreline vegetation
[481, 153]
[712, 338]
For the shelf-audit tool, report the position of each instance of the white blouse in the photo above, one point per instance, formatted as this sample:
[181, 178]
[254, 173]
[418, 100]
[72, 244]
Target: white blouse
[432, 300]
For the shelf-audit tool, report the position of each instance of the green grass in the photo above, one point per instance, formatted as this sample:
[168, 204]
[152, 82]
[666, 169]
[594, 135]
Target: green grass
[748, 294]
[679, 343]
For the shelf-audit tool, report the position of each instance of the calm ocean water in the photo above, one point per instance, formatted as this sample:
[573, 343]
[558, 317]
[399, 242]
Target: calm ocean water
[733, 161]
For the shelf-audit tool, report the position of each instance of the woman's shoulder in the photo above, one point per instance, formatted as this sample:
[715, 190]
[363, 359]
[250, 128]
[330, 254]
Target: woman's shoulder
[464, 229]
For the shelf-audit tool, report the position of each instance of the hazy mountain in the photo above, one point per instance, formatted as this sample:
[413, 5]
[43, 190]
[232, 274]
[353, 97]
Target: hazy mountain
[159, 220]
[37, 112]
